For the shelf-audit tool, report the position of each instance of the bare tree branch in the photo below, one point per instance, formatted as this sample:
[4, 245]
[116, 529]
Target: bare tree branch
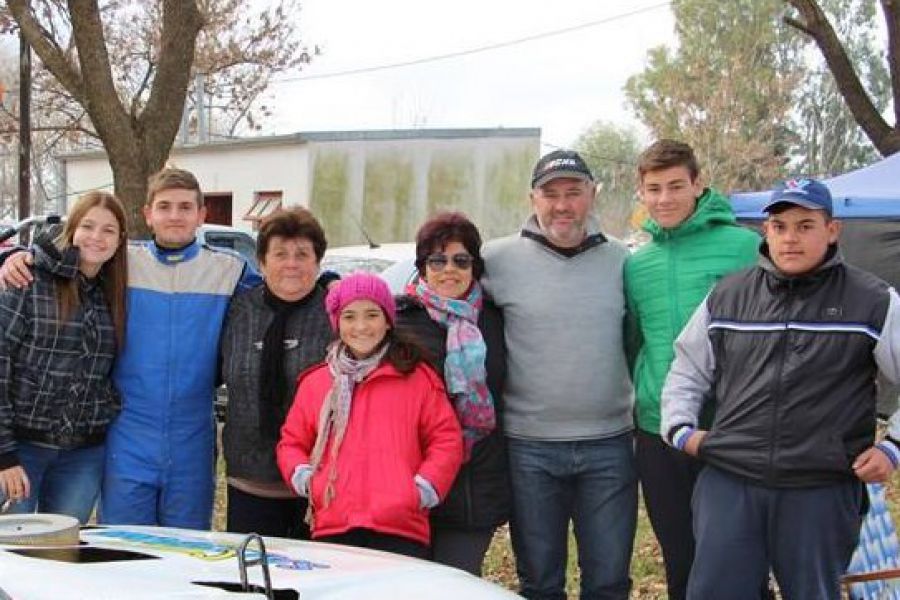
[891, 10]
[799, 25]
[815, 24]
[103, 104]
[15, 130]
[46, 48]
[119, 70]
[238, 118]
[181, 24]
[135, 100]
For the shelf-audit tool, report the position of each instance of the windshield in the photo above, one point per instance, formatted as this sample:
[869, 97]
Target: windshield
[347, 264]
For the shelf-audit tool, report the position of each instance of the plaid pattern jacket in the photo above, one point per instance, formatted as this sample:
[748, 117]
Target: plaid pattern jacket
[55, 386]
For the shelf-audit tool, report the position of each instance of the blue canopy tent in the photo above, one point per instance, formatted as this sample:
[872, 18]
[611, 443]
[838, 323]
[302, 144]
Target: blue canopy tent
[872, 192]
[867, 201]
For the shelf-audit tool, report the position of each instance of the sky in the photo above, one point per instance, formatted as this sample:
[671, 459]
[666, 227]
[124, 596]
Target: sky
[560, 83]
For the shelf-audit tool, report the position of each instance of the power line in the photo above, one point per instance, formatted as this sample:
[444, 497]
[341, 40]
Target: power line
[611, 159]
[476, 50]
[65, 195]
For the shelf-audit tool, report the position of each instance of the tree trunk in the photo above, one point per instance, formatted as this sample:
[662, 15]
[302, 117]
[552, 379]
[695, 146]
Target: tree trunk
[137, 142]
[130, 174]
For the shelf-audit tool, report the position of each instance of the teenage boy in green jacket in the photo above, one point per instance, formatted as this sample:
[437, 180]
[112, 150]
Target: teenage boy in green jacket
[695, 241]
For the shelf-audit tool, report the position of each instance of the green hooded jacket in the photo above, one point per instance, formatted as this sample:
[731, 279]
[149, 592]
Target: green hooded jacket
[666, 280]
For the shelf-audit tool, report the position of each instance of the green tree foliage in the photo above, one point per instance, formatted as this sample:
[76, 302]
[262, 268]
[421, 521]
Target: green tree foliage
[611, 153]
[726, 88]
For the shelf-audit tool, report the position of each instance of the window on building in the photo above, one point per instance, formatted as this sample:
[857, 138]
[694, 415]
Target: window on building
[264, 203]
[218, 208]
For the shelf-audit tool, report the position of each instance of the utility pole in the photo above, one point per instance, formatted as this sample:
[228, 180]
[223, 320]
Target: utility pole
[202, 116]
[24, 132]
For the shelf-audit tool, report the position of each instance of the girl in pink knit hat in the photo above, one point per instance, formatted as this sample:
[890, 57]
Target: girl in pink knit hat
[371, 438]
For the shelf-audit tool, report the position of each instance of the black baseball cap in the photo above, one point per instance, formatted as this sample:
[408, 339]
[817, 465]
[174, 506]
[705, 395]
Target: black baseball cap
[558, 164]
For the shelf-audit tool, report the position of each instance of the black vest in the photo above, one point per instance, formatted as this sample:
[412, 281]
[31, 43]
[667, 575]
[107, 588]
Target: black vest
[794, 391]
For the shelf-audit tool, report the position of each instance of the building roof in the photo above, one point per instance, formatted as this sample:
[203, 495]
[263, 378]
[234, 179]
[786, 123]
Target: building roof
[305, 137]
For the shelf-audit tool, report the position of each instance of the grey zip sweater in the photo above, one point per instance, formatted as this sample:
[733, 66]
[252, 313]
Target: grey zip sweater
[567, 377]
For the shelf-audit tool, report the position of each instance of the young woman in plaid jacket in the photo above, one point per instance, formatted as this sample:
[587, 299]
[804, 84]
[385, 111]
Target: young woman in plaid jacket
[57, 346]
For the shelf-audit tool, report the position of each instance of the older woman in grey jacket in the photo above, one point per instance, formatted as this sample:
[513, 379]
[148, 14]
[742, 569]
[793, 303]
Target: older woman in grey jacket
[273, 333]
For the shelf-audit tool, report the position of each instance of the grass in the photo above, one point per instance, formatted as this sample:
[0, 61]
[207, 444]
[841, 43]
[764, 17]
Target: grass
[647, 572]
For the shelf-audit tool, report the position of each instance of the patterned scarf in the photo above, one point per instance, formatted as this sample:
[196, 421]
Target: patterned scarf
[335, 413]
[464, 365]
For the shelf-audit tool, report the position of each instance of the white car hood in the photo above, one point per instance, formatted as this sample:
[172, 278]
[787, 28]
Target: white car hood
[178, 557]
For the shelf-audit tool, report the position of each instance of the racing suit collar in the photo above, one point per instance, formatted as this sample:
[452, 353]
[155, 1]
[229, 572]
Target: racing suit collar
[169, 256]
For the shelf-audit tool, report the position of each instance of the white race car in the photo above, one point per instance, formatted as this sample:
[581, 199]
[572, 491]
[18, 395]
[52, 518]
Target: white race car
[136, 563]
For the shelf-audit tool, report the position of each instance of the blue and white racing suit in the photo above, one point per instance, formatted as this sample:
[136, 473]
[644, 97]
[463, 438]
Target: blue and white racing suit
[161, 448]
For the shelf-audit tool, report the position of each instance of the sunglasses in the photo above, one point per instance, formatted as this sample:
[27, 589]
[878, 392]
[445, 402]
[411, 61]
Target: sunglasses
[439, 261]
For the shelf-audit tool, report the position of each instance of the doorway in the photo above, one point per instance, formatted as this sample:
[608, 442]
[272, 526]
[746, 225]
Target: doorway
[218, 208]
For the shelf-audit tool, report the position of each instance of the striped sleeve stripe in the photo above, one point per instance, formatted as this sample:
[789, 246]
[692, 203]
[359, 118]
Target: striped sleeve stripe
[891, 450]
[680, 438]
[747, 326]
[797, 326]
[837, 327]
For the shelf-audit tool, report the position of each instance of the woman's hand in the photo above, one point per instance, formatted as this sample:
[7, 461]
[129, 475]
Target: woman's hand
[301, 479]
[14, 483]
[16, 270]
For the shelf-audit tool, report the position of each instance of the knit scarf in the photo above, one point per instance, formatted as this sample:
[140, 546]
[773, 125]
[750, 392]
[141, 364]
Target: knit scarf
[273, 384]
[464, 365]
[335, 412]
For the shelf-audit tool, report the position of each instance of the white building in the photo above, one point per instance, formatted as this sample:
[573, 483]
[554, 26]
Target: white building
[384, 181]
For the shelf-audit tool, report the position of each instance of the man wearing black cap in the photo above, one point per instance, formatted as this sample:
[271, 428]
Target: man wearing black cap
[788, 351]
[567, 399]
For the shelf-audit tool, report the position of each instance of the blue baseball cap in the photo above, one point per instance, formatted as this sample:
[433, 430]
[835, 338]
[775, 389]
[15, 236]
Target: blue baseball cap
[808, 193]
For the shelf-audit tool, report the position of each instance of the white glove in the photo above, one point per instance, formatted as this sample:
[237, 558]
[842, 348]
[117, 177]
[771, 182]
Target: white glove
[300, 479]
[428, 497]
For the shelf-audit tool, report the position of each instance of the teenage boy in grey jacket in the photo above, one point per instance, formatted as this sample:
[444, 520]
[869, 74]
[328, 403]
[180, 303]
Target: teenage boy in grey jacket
[568, 399]
[788, 351]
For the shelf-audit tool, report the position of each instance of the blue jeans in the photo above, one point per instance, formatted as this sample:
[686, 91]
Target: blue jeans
[62, 481]
[591, 483]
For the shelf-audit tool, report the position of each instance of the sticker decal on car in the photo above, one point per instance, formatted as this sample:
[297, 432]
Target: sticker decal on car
[202, 549]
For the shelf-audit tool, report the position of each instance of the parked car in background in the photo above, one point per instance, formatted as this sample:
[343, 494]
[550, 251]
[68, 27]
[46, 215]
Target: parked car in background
[9, 232]
[373, 258]
[222, 236]
[6, 226]
[401, 273]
